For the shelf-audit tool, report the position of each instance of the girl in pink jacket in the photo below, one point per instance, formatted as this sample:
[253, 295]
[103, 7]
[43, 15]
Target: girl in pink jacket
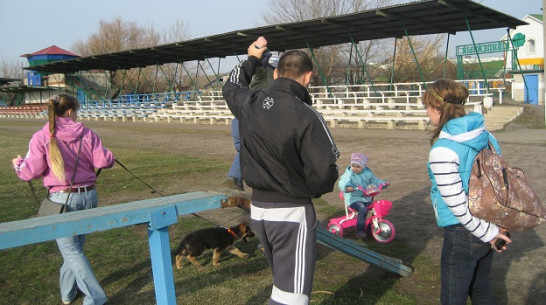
[52, 154]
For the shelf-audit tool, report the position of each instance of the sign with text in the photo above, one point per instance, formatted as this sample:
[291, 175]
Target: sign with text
[481, 48]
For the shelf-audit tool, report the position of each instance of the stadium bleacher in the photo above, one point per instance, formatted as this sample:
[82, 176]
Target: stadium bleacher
[396, 106]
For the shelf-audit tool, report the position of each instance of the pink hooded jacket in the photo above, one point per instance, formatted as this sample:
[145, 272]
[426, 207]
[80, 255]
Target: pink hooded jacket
[68, 133]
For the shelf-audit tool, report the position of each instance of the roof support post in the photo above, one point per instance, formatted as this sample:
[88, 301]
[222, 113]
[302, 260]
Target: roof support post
[92, 89]
[146, 81]
[237, 56]
[87, 90]
[393, 63]
[104, 94]
[174, 82]
[504, 68]
[322, 76]
[107, 86]
[477, 54]
[214, 84]
[460, 67]
[515, 57]
[120, 88]
[204, 72]
[444, 71]
[155, 78]
[192, 80]
[169, 81]
[347, 80]
[74, 85]
[415, 57]
[125, 77]
[362, 63]
[138, 80]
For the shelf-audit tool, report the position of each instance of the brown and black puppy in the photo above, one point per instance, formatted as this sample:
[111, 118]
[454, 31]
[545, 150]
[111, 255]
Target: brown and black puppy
[219, 239]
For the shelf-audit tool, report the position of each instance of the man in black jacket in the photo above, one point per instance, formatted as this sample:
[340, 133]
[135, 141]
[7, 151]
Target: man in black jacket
[288, 157]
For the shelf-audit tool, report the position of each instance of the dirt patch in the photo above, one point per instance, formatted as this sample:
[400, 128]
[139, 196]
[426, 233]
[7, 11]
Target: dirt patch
[519, 274]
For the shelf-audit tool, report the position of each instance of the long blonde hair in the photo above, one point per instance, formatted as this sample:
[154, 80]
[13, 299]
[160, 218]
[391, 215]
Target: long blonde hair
[57, 106]
[448, 97]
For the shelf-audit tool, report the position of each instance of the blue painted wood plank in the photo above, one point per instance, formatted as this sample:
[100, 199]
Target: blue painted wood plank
[40, 229]
[355, 250]
[162, 269]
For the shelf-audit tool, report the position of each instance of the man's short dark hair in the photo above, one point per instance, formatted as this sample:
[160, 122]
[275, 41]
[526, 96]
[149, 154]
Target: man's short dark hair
[293, 64]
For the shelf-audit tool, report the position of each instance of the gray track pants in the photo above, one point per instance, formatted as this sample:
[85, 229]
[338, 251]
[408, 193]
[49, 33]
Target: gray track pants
[288, 235]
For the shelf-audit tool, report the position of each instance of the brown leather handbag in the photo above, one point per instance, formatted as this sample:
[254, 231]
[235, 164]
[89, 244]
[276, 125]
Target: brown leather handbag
[501, 194]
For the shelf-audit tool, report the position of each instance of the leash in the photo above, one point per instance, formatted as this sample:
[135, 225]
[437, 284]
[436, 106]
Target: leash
[33, 191]
[125, 168]
[156, 191]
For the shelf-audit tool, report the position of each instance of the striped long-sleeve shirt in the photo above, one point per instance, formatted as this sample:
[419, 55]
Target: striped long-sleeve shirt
[444, 164]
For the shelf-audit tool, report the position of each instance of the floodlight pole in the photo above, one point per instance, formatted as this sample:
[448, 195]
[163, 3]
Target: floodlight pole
[544, 56]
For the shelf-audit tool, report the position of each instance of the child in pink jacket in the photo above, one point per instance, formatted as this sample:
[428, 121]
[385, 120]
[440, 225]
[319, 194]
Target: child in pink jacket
[52, 155]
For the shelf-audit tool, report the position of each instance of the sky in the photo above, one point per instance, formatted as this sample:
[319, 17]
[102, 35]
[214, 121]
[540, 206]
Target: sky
[31, 25]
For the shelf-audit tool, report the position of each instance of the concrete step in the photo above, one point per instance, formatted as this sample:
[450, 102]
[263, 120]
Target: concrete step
[500, 115]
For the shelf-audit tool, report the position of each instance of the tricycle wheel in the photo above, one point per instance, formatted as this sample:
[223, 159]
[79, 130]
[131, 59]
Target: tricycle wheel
[384, 232]
[336, 229]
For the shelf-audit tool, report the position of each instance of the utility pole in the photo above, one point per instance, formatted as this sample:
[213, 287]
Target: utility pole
[544, 56]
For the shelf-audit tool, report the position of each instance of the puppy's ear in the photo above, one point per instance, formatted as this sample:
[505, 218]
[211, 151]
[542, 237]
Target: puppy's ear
[243, 227]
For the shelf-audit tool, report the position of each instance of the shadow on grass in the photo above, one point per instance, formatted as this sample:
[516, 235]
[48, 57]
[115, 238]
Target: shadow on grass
[503, 284]
[190, 280]
[375, 284]
[131, 289]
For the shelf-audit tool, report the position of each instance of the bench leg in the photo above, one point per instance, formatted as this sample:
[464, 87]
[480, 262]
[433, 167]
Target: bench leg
[391, 124]
[422, 125]
[162, 266]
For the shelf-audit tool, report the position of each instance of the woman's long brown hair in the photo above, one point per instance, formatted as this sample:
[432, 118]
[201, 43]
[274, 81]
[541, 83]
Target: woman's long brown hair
[447, 96]
[57, 106]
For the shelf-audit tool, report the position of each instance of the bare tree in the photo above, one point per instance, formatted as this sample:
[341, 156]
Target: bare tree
[430, 61]
[364, 61]
[118, 35]
[11, 69]
[179, 31]
[334, 61]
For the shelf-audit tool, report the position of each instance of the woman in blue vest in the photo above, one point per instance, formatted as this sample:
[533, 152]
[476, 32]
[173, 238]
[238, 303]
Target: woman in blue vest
[467, 251]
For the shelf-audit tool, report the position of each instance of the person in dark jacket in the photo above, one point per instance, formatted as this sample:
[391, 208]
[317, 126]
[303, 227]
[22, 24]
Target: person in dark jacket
[260, 80]
[288, 157]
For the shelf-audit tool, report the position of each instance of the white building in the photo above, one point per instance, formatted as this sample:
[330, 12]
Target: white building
[528, 71]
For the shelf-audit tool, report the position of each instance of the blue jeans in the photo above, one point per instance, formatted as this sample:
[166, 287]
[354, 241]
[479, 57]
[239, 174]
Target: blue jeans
[362, 209]
[235, 170]
[466, 265]
[76, 271]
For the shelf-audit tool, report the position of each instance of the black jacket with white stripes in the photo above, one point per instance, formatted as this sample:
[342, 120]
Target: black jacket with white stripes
[287, 152]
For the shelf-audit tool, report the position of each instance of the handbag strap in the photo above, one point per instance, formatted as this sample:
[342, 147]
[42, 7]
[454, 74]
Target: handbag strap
[73, 175]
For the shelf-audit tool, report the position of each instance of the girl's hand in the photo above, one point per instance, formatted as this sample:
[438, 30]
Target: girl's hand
[16, 160]
[501, 235]
[349, 189]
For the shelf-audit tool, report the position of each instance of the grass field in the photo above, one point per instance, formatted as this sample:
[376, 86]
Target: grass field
[181, 158]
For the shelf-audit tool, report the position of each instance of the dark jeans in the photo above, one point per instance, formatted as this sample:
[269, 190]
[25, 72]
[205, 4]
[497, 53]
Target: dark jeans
[362, 209]
[466, 264]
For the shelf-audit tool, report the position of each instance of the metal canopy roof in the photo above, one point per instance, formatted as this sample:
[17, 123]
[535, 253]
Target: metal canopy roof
[417, 18]
[24, 89]
[7, 80]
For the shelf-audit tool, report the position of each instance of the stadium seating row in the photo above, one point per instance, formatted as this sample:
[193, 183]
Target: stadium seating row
[360, 109]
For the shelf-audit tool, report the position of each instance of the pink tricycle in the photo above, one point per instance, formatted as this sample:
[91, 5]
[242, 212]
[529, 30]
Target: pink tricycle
[382, 230]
